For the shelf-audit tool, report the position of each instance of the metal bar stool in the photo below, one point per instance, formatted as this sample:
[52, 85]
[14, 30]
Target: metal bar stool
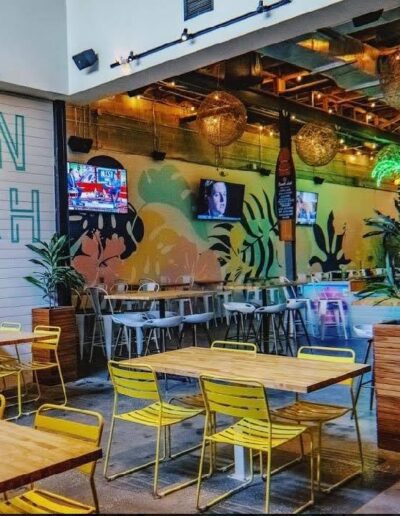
[193, 321]
[243, 314]
[272, 316]
[294, 316]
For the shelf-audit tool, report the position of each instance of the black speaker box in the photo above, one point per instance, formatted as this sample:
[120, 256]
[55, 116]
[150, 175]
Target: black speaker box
[158, 155]
[243, 71]
[85, 59]
[77, 144]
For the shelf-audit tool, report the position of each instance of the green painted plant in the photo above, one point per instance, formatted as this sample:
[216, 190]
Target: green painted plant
[387, 164]
[55, 270]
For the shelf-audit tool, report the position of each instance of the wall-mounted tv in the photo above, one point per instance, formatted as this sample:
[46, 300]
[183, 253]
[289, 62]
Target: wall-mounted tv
[219, 200]
[97, 188]
[306, 208]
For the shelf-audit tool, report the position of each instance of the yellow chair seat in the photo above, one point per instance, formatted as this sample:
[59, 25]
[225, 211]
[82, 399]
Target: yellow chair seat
[254, 434]
[38, 501]
[307, 411]
[36, 365]
[171, 415]
[7, 369]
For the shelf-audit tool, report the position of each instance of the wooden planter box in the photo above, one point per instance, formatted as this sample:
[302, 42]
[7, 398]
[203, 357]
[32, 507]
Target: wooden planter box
[63, 316]
[387, 384]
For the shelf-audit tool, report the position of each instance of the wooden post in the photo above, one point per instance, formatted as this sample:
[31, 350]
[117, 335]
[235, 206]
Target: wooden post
[286, 195]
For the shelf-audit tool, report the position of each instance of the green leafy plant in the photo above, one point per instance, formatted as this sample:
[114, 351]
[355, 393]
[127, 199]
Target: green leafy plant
[389, 229]
[55, 269]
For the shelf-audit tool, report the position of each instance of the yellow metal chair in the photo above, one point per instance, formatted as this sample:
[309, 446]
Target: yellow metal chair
[311, 412]
[47, 344]
[140, 382]
[6, 327]
[245, 400]
[2, 406]
[39, 501]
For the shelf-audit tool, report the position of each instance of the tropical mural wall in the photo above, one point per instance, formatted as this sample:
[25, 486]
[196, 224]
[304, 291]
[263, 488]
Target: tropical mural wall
[160, 237]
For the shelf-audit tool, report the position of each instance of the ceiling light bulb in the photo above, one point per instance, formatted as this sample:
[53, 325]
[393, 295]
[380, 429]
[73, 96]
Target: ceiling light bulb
[271, 133]
[374, 145]
[373, 104]
[345, 147]
[298, 78]
[319, 95]
[185, 35]
[260, 128]
[330, 111]
[293, 117]
[358, 153]
[341, 141]
[371, 158]
[192, 108]
[172, 83]
[397, 57]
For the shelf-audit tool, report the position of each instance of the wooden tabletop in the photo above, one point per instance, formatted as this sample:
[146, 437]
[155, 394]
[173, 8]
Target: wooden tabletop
[28, 455]
[21, 337]
[151, 295]
[263, 286]
[274, 372]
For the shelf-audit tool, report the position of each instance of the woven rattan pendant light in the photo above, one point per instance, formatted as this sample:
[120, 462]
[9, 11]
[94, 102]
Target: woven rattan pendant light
[316, 144]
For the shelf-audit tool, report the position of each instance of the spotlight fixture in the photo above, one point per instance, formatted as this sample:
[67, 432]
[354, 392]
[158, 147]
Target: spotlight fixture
[260, 6]
[85, 59]
[318, 180]
[158, 155]
[185, 35]
[264, 171]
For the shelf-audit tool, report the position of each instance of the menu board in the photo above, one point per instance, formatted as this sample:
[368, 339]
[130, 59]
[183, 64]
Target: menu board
[285, 185]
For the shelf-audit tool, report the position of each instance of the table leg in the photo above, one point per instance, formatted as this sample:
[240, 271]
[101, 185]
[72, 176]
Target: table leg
[242, 463]
[108, 334]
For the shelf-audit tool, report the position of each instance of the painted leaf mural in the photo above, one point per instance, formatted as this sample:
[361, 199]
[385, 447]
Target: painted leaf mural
[247, 248]
[331, 245]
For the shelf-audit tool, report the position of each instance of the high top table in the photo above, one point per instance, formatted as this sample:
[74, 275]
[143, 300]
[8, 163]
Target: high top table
[272, 371]
[143, 295]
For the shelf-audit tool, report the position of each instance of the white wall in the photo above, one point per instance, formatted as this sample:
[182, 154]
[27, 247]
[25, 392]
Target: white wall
[33, 48]
[28, 167]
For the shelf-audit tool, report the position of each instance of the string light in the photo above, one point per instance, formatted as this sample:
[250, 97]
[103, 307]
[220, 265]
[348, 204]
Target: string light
[293, 117]
[319, 95]
[373, 104]
[299, 78]
[341, 141]
[330, 111]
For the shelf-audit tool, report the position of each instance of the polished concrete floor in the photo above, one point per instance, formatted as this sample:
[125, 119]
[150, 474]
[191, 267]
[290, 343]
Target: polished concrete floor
[377, 491]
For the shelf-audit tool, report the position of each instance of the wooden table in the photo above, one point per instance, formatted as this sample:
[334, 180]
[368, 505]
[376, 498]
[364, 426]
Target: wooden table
[274, 372]
[21, 337]
[28, 455]
[161, 296]
[143, 295]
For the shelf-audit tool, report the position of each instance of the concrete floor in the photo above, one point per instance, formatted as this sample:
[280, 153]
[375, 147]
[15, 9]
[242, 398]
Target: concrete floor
[378, 491]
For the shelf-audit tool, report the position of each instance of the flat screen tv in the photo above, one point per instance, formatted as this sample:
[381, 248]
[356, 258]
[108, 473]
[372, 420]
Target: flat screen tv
[219, 200]
[306, 208]
[97, 188]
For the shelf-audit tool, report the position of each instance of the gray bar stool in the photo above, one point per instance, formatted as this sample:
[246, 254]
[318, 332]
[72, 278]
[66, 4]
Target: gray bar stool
[161, 326]
[243, 313]
[272, 317]
[193, 321]
[294, 316]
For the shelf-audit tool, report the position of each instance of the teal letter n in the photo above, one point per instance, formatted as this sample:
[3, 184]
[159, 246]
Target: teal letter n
[16, 145]
[19, 214]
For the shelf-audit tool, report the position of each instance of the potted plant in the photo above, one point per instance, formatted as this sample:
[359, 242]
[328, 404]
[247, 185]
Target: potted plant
[387, 333]
[54, 273]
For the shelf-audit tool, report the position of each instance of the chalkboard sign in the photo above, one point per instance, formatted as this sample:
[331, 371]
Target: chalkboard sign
[285, 186]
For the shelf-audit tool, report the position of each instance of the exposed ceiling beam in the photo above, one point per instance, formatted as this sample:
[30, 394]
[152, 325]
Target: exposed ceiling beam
[264, 100]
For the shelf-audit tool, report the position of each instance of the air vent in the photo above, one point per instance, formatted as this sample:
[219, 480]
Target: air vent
[196, 7]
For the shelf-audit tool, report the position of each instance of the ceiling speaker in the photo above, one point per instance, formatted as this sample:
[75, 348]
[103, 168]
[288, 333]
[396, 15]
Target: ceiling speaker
[158, 155]
[77, 144]
[318, 180]
[85, 59]
[243, 71]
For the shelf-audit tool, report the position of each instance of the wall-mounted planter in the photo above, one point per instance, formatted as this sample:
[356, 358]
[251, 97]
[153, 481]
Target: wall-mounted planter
[387, 383]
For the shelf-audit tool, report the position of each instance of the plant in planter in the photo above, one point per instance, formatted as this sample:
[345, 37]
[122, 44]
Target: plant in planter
[54, 271]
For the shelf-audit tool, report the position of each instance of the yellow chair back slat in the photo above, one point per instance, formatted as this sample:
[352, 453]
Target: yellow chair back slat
[138, 381]
[33, 503]
[48, 343]
[7, 326]
[2, 406]
[89, 432]
[325, 354]
[237, 398]
[230, 345]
